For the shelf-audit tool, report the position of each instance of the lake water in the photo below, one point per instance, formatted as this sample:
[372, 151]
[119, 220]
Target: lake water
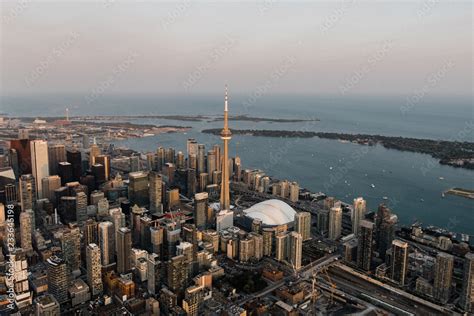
[410, 181]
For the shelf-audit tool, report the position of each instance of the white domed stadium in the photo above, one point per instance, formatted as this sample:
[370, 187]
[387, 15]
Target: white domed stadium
[271, 213]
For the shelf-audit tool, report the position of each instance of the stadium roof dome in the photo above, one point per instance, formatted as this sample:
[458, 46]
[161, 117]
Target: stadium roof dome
[271, 212]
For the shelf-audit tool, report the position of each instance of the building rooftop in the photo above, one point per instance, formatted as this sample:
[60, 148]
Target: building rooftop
[272, 212]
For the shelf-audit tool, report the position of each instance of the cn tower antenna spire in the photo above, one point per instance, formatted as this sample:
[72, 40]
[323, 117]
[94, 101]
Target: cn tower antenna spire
[226, 136]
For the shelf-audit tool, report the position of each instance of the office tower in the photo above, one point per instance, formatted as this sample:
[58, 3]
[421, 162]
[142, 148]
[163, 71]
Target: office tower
[94, 274]
[118, 219]
[134, 163]
[200, 210]
[103, 207]
[365, 248]
[191, 147]
[11, 193]
[65, 172]
[145, 233]
[23, 153]
[93, 153]
[27, 192]
[201, 159]
[191, 182]
[303, 224]
[294, 192]
[385, 223]
[360, 208]
[217, 177]
[193, 298]
[246, 247]
[177, 273]
[281, 246]
[70, 239]
[81, 207]
[186, 249]
[466, 301]
[153, 273]
[107, 242]
[226, 135]
[96, 196]
[124, 242]
[150, 161]
[104, 160]
[74, 158]
[295, 251]
[192, 162]
[50, 184]
[26, 218]
[399, 261]
[157, 238]
[57, 278]
[155, 192]
[47, 304]
[39, 164]
[90, 232]
[138, 188]
[335, 223]
[443, 277]
[56, 154]
[98, 171]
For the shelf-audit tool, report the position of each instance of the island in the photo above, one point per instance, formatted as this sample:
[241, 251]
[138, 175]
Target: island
[452, 153]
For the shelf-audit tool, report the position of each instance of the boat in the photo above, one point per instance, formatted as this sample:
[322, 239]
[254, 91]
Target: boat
[330, 168]
[385, 198]
[372, 185]
[441, 178]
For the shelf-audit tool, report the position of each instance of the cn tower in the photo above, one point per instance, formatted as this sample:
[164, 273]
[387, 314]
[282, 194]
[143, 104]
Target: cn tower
[226, 135]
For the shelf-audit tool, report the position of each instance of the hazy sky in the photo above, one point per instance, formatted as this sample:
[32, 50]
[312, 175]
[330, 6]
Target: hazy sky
[346, 47]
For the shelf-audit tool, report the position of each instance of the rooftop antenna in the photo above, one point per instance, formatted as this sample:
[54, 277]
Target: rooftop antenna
[67, 114]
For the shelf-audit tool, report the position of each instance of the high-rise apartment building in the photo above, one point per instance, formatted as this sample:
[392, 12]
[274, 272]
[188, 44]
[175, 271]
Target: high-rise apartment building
[365, 248]
[359, 210]
[94, 274]
[303, 224]
[399, 261]
[200, 210]
[443, 277]
[26, 222]
[466, 301]
[155, 192]
[107, 242]
[295, 251]
[385, 224]
[57, 278]
[335, 223]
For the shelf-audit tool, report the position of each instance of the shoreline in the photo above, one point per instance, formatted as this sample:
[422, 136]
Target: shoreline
[451, 153]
